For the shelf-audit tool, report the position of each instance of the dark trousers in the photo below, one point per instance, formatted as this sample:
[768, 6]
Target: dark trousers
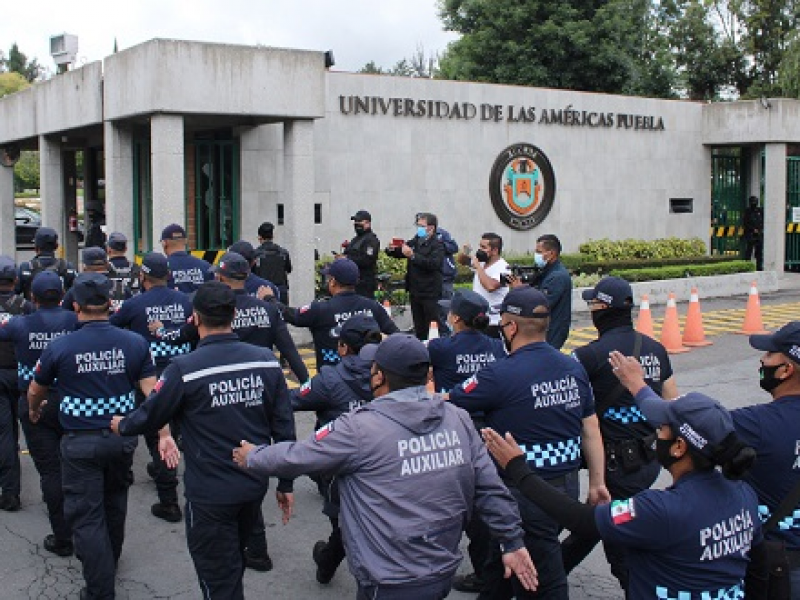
[216, 535]
[95, 468]
[334, 553]
[621, 486]
[480, 544]
[257, 540]
[447, 294]
[423, 312]
[44, 444]
[9, 433]
[166, 479]
[754, 248]
[426, 591]
[541, 540]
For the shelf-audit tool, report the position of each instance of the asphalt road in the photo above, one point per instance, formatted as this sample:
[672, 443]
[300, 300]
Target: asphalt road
[156, 564]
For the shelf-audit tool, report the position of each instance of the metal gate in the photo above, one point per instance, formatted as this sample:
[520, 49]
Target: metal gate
[729, 181]
[793, 213]
[216, 193]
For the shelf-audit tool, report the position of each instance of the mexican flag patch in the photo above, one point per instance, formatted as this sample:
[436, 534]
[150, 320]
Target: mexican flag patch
[622, 511]
[305, 388]
[323, 431]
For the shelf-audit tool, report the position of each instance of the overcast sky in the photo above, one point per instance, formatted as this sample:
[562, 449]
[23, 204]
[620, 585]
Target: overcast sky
[356, 30]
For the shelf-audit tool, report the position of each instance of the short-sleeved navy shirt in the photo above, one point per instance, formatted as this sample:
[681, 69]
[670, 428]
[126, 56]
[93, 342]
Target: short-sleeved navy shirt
[460, 356]
[690, 541]
[541, 397]
[187, 272]
[98, 368]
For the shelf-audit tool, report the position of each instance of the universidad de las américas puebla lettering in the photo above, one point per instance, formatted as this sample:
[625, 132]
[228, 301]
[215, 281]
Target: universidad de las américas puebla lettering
[247, 390]
[432, 452]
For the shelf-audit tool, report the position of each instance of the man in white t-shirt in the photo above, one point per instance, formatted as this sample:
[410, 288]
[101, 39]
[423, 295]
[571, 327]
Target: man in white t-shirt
[488, 265]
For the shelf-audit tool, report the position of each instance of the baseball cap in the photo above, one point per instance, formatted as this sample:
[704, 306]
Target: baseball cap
[91, 289]
[215, 299]
[353, 331]
[233, 265]
[117, 241]
[46, 238]
[47, 285]
[343, 270]
[615, 292]
[94, 257]
[361, 215]
[173, 232]
[244, 248]
[467, 305]
[523, 301]
[155, 265]
[786, 341]
[400, 353]
[8, 268]
[697, 418]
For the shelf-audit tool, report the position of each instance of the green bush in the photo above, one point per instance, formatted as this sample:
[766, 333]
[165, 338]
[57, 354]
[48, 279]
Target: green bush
[677, 272]
[605, 266]
[605, 249]
[24, 195]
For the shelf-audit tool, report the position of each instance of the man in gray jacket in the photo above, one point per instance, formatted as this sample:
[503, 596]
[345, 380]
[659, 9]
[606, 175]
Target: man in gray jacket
[411, 470]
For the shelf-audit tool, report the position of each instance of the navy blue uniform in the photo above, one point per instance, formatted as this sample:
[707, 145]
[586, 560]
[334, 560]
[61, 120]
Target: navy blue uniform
[322, 318]
[253, 283]
[97, 368]
[460, 356]
[541, 397]
[44, 261]
[30, 335]
[555, 282]
[220, 394]
[186, 272]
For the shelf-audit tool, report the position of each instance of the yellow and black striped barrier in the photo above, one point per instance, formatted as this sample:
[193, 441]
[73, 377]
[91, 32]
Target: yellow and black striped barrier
[210, 256]
[727, 231]
[793, 228]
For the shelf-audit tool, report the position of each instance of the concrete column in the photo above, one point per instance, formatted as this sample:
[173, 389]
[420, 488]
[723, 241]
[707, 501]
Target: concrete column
[775, 207]
[168, 172]
[52, 180]
[298, 194]
[8, 241]
[118, 147]
[261, 185]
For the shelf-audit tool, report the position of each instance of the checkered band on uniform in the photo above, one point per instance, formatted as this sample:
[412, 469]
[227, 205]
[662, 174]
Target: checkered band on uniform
[330, 356]
[734, 593]
[25, 373]
[788, 523]
[552, 454]
[624, 414]
[97, 407]
[161, 349]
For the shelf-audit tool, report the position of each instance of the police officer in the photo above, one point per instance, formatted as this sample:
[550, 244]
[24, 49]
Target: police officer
[272, 262]
[45, 243]
[186, 272]
[691, 540]
[335, 390]
[10, 304]
[631, 465]
[753, 235]
[253, 284]
[95, 260]
[322, 318]
[123, 273]
[30, 335]
[171, 308]
[556, 283]
[363, 250]
[221, 393]
[97, 367]
[411, 470]
[449, 272]
[544, 398]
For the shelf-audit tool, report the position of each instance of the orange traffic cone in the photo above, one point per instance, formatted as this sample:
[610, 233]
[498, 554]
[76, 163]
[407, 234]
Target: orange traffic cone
[387, 306]
[752, 316]
[671, 330]
[433, 331]
[693, 333]
[644, 323]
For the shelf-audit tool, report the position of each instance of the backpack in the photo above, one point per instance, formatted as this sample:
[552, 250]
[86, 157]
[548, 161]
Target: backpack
[60, 267]
[124, 283]
[13, 306]
[271, 265]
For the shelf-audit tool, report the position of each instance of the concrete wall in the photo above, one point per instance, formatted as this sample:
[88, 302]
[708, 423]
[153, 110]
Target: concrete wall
[752, 121]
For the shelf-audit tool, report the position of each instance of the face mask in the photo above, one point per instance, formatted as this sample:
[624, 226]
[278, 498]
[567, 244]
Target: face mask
[539, 260]
[422, 232]
[482, 256]
[665, 459]
[768, 380]
[359, 229]
[506, 341]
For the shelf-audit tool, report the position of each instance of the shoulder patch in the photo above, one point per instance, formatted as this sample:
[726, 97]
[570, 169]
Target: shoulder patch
[305, 388]
[322, 432]
[159, 384]
[470, 384]
[304, 308]
[622, 511]
[370, 251]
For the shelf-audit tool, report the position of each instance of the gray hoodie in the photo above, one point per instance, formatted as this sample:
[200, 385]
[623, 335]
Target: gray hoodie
[411, 470]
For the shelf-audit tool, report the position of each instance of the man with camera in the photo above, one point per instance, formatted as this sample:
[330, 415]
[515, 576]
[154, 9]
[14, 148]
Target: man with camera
[489, 268]
[555, 283]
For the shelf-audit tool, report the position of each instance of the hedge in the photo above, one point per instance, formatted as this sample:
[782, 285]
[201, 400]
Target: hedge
[605, 249]
[605, 266]
[678, 272]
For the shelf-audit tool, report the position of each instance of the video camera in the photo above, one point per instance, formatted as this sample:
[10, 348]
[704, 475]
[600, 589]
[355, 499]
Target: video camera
[525, 273]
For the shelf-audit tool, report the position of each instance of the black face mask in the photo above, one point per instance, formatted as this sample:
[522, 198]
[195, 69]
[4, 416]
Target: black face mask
[482, 256]
[359, 229]
[768, 380]
[609, 318]
[665, 459]
[506, 341]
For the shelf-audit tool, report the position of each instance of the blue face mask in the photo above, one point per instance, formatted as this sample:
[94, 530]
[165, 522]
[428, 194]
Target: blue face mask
[422, 232]
[539, 260]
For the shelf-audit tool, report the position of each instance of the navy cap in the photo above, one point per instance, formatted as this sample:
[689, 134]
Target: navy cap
[244, 248]
[155, 265]
[361, 215]
[697, 418]
[94, 257]
[117, 241]
[232, 265]
[353, 331]
[45, 238]
[343, 270]
[173, 232]
[786, 341]
[47, 285]
[91, 289]
[467, 305]
[215, 299]
[615, 292]
[400, 353]
[523, 301]
[8, 268]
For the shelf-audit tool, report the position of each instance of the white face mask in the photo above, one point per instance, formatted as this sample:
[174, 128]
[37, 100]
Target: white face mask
[538, 258]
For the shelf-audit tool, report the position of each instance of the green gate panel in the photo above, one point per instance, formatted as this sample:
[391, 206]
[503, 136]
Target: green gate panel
[792, 202]
[729, 179]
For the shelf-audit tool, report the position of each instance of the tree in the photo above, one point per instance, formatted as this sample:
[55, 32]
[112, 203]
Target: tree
[17, 62]
[371, 68]
[26, 171]
[11, 83]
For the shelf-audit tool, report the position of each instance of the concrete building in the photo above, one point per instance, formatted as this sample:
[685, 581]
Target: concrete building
[221, 138]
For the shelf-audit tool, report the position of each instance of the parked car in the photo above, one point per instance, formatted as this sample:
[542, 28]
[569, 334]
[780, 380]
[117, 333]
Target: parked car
[27, 222]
